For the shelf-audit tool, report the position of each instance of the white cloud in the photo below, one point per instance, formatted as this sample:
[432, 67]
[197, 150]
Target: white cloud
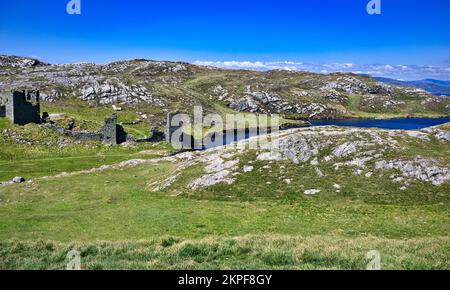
[408, 72]
[247, 64]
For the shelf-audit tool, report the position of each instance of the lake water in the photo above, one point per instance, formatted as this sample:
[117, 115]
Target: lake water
[393, 124]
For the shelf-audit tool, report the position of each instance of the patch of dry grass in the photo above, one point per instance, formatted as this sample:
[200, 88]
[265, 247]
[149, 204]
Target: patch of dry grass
[246, 252]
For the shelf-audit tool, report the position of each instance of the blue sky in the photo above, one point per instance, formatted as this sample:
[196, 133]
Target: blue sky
[409, 33]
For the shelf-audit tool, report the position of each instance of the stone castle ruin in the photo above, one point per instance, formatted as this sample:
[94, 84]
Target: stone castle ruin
[21, 107]
[111, 132]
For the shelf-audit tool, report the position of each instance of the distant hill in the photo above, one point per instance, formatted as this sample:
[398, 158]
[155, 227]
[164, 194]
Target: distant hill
[147, 90]
[436, 87]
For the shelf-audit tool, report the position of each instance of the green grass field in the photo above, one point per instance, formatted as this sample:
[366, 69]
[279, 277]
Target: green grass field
[117, 207]
[115, 220]
[40, 159]
[248, 252]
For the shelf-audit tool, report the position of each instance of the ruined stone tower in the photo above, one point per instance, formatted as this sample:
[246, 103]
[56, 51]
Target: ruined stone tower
[112, 132]
[109, 130]
[21, 107]
[175, 121]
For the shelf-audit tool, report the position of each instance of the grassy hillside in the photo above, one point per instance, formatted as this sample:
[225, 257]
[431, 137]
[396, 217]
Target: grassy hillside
[148, 90]
[36, 151]
[322, 201]
[117, 215]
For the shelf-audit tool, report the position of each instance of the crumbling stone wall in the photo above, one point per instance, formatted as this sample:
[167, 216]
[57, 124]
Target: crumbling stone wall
[22, 107]
[154, 136]
[86, 135]
[110, 133]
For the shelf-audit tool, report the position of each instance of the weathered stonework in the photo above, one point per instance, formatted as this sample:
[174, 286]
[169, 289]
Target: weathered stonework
[112, 132]
[21, 107]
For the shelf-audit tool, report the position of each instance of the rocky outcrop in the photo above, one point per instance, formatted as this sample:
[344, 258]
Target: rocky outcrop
[422, 169]
[19, 62]
[166, 86]
[368, 154]
[320, 153]
[436, 132]
[107, 93]
[105, 85]
[245, 105]
[348, 84]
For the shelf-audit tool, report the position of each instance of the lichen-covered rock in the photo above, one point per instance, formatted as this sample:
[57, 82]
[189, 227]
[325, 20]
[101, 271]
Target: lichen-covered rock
[212, 179]
[312, 191]
[423, 169]
[245, 105]
[439, 134]
[420, 135]
[248, 168]
[18, 179]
